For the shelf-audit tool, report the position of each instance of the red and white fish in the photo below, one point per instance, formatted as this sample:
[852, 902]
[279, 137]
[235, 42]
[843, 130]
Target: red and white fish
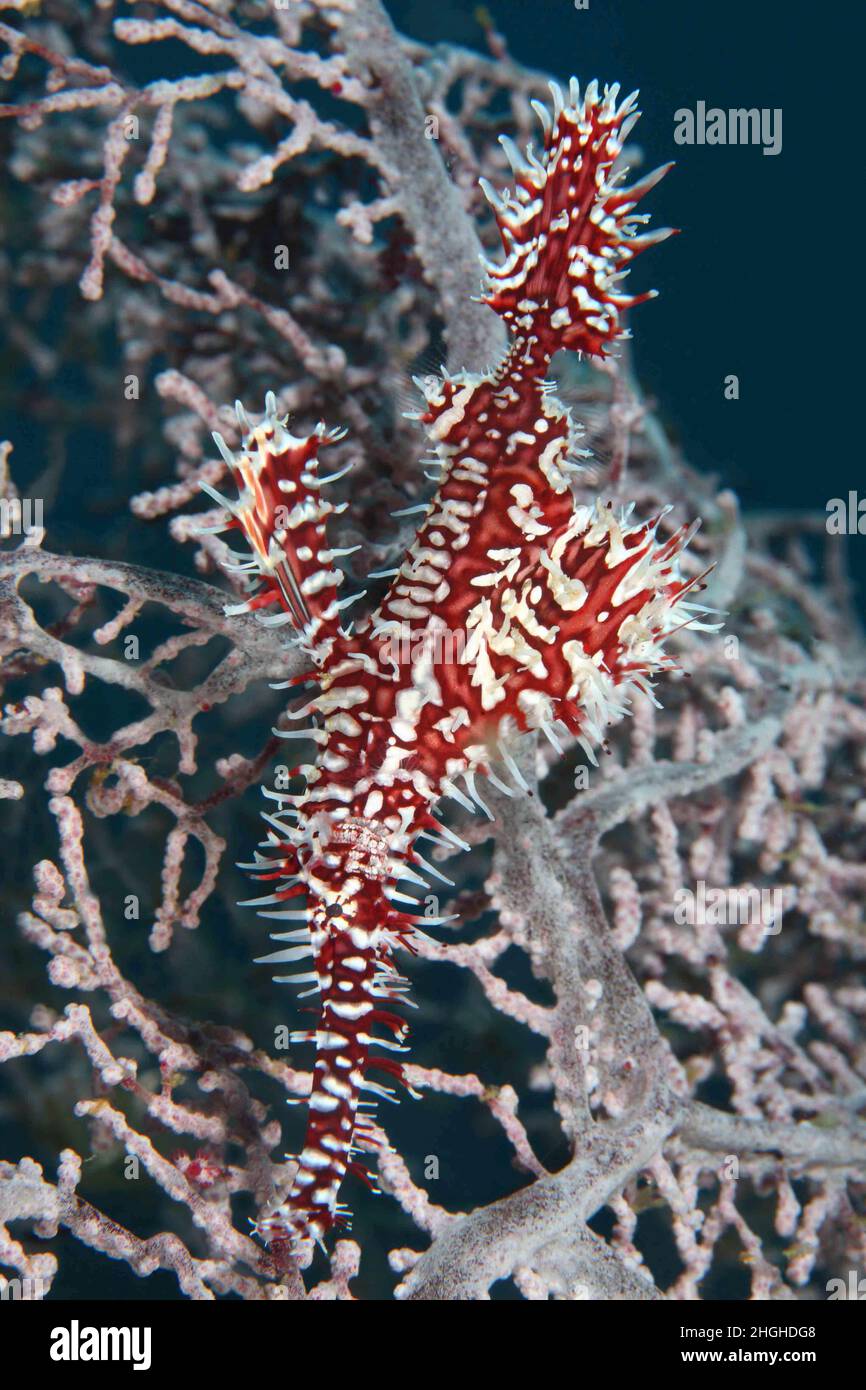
[514, 609]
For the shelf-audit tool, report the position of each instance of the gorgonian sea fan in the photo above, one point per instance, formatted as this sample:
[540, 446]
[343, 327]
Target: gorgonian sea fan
[522, 609]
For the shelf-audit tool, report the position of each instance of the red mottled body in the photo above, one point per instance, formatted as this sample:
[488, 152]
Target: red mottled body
[514, 609]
